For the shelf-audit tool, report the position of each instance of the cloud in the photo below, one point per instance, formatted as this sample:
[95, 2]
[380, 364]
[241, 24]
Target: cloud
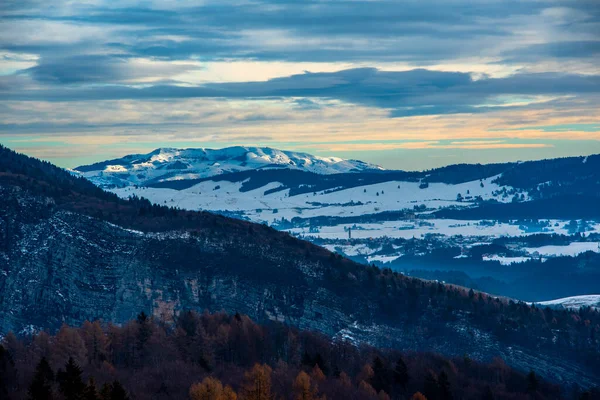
[404, 93]
[301, 31]
[428, 145]
[567, 49]
[105, 69]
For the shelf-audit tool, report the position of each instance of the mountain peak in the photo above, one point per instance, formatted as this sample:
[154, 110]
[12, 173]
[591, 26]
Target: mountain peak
[166, 163]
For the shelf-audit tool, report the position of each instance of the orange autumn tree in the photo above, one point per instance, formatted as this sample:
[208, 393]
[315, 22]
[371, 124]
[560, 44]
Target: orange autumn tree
[211, 389]
[303, 388]
[418, 396]
[257, 385]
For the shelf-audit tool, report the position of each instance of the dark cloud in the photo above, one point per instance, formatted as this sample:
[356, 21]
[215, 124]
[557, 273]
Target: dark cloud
[98, 69]
[404, 93]
[568, 49]
[77, 69]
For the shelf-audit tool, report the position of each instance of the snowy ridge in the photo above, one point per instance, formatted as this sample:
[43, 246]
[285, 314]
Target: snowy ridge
[590, 300]
[166, 164]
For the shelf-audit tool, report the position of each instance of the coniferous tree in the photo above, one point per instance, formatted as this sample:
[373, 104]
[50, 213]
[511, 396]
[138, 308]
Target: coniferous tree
[106, 391]
[488, 394]
[41, 385]
[401, 373]
[91, 392]
[8, 373]
[380, 380]
[430, 387]
[70, 382]
[118, 392]
[532, 382]
[444, 386]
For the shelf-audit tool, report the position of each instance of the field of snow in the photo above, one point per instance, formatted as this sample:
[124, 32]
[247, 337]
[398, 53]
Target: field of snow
[218, 195]
[419, 228]
[572, 249]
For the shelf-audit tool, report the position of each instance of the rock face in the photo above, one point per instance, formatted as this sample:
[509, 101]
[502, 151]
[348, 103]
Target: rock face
[61, 262]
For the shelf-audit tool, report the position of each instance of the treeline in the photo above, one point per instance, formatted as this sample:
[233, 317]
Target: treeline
[562, 206]
[220, 356]
[561, 176]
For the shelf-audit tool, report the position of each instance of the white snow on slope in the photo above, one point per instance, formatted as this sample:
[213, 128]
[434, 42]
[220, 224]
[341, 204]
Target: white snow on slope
[176, 164]
[590, 300]
[218, 195]
[572, 249]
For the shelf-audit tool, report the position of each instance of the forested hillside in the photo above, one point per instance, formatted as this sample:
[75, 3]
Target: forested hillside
[225, 357]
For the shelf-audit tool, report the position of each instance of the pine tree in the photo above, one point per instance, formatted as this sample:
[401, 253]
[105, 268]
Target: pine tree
[90, 392]
[118, 392]
[70, 382]
[41, 385]
[430, 387]
[532, 382]
[144, 328]
[487, 394]
[444, 386]
[8, 373]
[401, 373]
[380, 380]
[106, 391]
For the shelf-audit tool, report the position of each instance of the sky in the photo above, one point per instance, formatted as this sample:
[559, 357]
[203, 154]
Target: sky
[403, 84]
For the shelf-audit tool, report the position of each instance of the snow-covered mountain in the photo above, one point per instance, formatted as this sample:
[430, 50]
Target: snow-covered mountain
[168, 164]
[590, 300]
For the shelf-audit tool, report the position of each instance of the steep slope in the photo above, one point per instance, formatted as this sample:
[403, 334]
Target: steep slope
[70, 252]
[167, 164]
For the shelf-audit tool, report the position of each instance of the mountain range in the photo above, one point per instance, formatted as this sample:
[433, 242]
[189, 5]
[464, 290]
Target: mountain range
[168, 164]
[72, 252]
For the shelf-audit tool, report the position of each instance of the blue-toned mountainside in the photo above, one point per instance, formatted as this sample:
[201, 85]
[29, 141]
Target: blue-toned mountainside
[70, 252]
